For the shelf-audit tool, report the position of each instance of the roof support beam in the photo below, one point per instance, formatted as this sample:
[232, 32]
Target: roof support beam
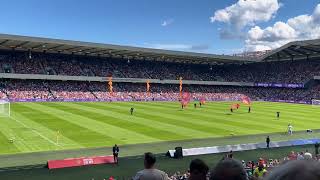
[55, 47]
[150, 55]
[292, 52]
[314, 45]
[89, 49]
[96, 52]
[21, 44]
[133, 54]
[104, 51]
[107, 53]
[300, 52]
[118, 51]
[287, 53]
[38, 46]
[71, 48]
[308, 49]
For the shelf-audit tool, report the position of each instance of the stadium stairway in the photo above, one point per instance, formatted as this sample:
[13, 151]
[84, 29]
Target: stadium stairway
[93, 94]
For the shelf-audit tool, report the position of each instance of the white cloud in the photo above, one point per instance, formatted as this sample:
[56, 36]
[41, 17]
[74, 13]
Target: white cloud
[245, 13]
[297, 28]
[167, 22]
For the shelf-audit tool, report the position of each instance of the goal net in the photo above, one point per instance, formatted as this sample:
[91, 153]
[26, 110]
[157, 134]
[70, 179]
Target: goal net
[315, 102]
[5, 108]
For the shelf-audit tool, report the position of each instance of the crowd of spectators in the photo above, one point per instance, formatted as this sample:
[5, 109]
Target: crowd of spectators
[70, 90]
[62, 90]
[298, 71]
[290, 167]
[23, 90]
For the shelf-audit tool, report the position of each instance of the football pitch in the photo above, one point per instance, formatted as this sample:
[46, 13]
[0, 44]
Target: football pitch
[35, 127]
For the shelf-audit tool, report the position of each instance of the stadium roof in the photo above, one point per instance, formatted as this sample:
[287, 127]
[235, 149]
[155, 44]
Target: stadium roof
[36, 44]
[295, 50]
[291, 51]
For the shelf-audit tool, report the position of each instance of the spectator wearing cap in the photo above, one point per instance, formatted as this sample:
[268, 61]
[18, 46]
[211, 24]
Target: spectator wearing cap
[307, 155]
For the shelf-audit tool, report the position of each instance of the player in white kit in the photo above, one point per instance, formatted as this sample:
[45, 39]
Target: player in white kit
[290, 129]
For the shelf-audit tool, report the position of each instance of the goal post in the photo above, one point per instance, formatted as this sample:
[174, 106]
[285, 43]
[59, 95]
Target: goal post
[315, 102]
[5, 109]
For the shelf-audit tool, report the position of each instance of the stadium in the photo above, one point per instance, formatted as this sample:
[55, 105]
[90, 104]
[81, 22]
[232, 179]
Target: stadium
[65, 104]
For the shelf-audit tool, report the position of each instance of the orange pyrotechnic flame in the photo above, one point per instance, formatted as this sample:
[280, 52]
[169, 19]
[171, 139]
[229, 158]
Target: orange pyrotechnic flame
[110, 84]
[148, 86]
[180, 88]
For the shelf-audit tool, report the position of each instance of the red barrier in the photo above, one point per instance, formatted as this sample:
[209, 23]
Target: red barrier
[82, 161]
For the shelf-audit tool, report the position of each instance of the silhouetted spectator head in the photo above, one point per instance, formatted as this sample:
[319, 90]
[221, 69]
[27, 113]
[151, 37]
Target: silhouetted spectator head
[296, 170]
[198, 170]
[149, 160]
[229, 169]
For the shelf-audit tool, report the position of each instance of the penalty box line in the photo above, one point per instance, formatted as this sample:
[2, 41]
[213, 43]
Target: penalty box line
[35, 131]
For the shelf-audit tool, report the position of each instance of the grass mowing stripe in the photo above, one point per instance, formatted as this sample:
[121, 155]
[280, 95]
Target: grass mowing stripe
[250, 120]
[180, 119]
[265, 121]
[34, 131]
[118, 134]
[6, 146]
[298, 118]
[50, 125]
[298, 122]
[155, 134]
[167, 117]
[141, 121]
[202, 130]
[162, 110]
[173, 129]
[215, 119]
[111, 136]
[66, 128]
[12, 130]
[291, 114]
[225, 128]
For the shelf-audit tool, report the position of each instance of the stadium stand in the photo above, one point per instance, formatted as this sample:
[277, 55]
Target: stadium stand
[16, 90]
[53, 64]
[272, 72]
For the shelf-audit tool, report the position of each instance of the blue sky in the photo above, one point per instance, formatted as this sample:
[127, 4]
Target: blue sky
[170, 24]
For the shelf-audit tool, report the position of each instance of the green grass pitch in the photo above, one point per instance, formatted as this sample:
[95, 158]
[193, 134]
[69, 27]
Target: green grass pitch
[34, 126]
